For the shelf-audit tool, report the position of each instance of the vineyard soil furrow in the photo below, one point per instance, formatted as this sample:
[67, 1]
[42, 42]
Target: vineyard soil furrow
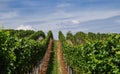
[57, 64]
[45, 63]
[61, 62]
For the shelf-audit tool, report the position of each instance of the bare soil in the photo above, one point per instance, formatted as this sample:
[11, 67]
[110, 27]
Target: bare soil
[46, 59]
[61, 62]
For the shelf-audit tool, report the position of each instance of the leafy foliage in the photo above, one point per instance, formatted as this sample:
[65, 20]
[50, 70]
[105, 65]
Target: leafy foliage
[37, 34]
[95, 56]
[20, 55]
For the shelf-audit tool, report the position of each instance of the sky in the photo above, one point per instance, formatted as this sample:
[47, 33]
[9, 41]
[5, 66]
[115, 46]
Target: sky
[64, 15]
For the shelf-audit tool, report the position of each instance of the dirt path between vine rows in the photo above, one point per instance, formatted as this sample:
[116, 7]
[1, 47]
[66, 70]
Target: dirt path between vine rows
[60, 59]
[46, 58]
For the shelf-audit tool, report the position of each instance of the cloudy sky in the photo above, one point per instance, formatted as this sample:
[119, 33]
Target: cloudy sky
[65, 15]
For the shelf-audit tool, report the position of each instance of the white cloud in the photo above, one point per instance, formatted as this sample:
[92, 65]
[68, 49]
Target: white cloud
[7, 15]
[61, 19]
[6, 0]
[93, 15]
[81, 16]
[30, 3]
[62, 5]
[117, 21]
[75, 21]
[60, 16]
[25, 27]
[4, 4]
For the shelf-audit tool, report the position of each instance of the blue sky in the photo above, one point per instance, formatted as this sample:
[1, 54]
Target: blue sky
[65, 15]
